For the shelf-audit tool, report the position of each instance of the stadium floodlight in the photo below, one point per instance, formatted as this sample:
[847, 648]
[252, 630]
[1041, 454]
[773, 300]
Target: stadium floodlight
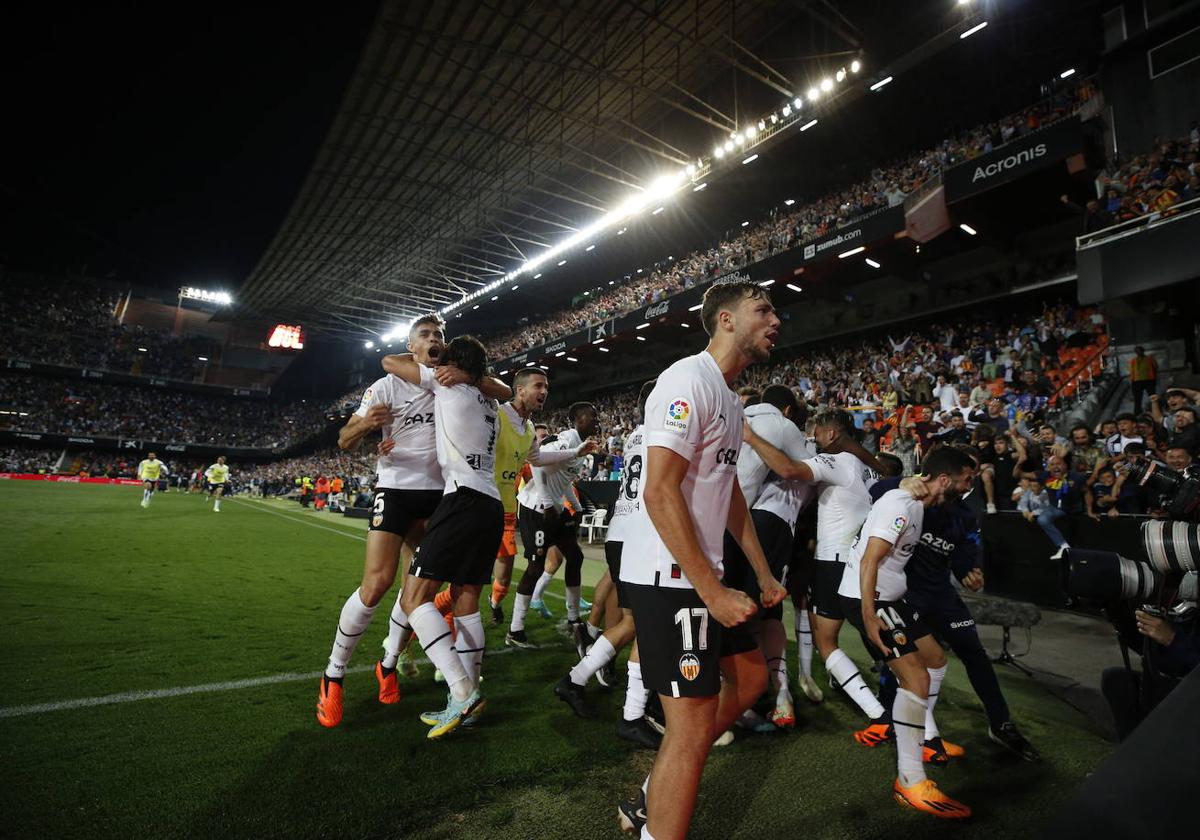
[855, 66]
[476, 306]
[572, 359]
[700, 186]
[787, 110]
[640, 337]
[966, 228]
[1070, 71]
[751, 132]
[841, 75]
[621, 231]
[762, 125]
[590, 248]
[642, 326]
[774, 119]
[826, 84]
[639, 271]
[598, 341]
[851, 252]
[794, 287]
[884, 81]
[144, 350]
[789, 201]
[719, 152]
[536, 276]
[562, 262]
[813, 94]
[808, 125]
[205, 296]
[797, 102]
[694, 308]
[560, 353]
[739, 139]
[202, 358]
[871, 263]
[750, 159]
[603, 349]
[973, 30]
[745, 224]
[504, 373]
[495, 297]
[766, 283]
[691, 169]
[658, 210]
[514, 288]
[369, 344]
[728, 146]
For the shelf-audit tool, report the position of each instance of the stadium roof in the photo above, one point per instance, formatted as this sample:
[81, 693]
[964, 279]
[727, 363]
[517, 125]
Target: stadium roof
[474, 135]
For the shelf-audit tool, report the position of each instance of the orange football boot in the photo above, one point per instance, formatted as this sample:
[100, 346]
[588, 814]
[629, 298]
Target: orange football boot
[875, 734]
[925, 796]
[389, 686]
[329, 703]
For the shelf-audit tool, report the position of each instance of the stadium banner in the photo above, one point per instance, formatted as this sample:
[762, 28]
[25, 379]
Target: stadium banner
[134, 447]
[100, 375]
[881, 225]
[1015, 159]
[66, 479]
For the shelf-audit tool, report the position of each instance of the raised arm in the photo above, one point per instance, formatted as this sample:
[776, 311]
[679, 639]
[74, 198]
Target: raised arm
[668, 510]
[404, 366]
[776, 460]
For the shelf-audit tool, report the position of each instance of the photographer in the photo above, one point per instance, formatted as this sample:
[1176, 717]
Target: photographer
[1170, 650]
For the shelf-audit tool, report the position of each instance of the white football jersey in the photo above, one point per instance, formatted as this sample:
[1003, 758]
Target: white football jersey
[629, 491]
[763, 489]
[842, 501]
[551, 484]
[465, 425]
[413, 464]
[692, 412]
[897, 518]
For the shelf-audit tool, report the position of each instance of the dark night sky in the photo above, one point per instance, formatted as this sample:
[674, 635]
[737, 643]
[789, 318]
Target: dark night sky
[159, 143]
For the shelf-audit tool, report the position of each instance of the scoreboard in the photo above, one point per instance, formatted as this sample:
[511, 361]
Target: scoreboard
[287, 336]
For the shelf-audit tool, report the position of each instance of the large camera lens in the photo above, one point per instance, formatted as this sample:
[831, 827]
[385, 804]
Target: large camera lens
[1107, 576]
[1171, 546]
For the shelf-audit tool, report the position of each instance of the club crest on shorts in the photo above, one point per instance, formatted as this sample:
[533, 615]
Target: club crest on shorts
[689, 666]
[377, 520]
[899, 637]
[678, 412]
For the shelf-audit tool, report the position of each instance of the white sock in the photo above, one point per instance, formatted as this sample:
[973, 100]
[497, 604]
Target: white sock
[598, 655]
[520, 610]
[218, 505]
[399, 632]
[352, 623]
[845, 673]
[593, 632]
[539, 588]
[573, 593]
[470, 644]
[778, 671]
[646, 835]
[438, 644]
[907, 712]
[936, 675]
[635, 693]
[804, 642]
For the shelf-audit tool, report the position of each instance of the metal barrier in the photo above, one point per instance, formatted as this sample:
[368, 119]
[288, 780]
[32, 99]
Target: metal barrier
[1133, 226]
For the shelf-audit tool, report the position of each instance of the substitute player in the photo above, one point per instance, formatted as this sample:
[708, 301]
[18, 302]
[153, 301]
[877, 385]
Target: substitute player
[872, 592]
[215, 477]
[671, 563]
[149, 471]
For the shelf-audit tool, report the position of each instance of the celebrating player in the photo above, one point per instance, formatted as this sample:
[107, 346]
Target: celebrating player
[872, 593]
[705, 671]
[215, 477]
[149, 471]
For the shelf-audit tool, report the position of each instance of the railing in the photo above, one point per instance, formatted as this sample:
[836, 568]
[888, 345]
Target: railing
[1131, 226]
[1082, 378]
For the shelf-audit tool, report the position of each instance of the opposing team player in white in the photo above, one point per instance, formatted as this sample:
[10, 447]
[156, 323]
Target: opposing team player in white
[671, 563]
[149, 471]
[872, 592]
[408, 490]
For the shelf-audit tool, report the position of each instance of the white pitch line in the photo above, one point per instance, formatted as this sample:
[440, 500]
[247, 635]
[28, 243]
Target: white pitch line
[183, 691]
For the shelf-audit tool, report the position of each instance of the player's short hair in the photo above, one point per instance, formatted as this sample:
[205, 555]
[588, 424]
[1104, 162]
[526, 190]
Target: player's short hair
[1125, 415]
[433, 319]
[525, 374]
[782, 397]
[468, 354]
[537, 426]
[575, 408]
[644, 396]
[892, 465]
[725, 296]
[946, 460]
[835, 417]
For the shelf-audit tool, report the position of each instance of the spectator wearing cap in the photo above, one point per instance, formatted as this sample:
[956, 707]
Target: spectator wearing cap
[1143, 376]
[1125, 435]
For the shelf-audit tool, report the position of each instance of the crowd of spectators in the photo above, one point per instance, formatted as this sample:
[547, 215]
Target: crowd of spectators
[80, 408]
[787, 227]
[34, 461]
[74, 323]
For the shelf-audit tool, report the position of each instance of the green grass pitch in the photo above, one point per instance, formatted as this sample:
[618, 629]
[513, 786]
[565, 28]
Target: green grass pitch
[101, 597]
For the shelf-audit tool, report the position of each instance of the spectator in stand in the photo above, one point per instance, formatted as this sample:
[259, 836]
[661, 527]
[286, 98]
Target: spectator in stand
[1143, 376]
[870, 436]
[1125, 435]
[1176, 398]
[904, 447]
[1187, 434]
[1086, 453]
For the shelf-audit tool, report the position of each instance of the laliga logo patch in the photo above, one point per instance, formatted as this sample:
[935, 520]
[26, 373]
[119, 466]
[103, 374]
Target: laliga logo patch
[678, 413]
[689, 666]
[898, 525]
[377, 520]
